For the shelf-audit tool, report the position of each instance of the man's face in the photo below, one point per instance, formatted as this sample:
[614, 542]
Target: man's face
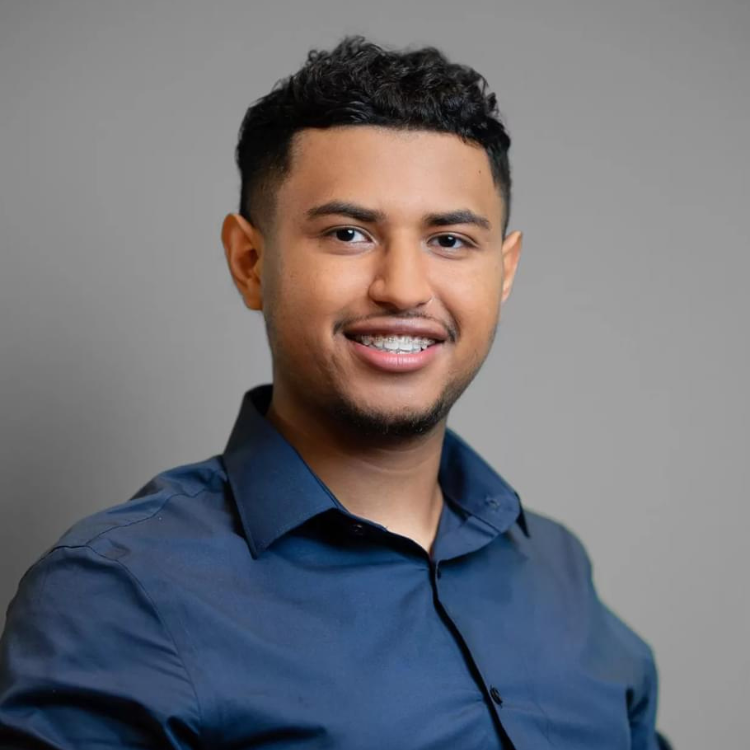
[364, 248]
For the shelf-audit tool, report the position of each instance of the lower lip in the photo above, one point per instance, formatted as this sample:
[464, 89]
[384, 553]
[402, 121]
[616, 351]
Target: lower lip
[391, 362]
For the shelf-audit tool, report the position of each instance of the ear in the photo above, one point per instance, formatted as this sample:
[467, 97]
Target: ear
[244, 251]
[511, 253]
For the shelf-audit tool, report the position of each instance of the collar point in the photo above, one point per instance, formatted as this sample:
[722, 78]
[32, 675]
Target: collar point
[522, 519]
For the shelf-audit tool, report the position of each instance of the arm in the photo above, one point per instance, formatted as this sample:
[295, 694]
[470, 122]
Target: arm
[86, 662]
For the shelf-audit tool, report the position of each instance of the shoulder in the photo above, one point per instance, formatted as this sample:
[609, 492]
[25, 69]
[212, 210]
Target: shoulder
[134, 555]
[183, 502]
[135, 551]
[553, 543]
[167, 493]
[562, 553]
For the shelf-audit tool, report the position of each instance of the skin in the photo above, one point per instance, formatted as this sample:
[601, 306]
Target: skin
[375, 438]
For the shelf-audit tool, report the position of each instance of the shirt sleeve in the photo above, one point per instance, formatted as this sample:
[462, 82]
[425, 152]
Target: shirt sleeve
[642, 711]
[86, 662]
[643, 695]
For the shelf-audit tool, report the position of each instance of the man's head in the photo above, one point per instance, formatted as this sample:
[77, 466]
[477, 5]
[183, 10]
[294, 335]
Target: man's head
[375, 200]
[360, 83]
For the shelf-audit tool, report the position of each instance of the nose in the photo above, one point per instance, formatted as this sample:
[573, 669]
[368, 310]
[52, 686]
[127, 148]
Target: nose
[401, 279]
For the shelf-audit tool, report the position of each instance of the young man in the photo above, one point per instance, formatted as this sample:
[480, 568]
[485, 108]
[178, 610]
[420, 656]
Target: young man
[348, 573]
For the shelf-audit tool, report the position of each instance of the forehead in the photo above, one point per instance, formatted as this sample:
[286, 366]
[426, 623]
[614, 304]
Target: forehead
[397, 171]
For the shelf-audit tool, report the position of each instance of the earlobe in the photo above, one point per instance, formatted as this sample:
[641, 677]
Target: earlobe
[243, 250]
[511, 255]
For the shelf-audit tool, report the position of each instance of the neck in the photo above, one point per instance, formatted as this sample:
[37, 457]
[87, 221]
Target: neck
[391, 481]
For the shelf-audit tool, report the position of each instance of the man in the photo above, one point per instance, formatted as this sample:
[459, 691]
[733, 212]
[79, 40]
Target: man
[349, 573]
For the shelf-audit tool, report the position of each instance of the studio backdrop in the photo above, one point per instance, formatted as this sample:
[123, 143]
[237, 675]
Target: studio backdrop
[616, 395]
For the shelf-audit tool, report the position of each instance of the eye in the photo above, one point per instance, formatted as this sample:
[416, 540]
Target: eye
[346, 235]
[448, 242]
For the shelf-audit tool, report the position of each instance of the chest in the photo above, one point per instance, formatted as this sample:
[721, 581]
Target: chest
[314, 654]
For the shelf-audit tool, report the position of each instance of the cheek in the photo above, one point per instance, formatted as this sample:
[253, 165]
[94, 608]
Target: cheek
[473, 297]
[309, 297]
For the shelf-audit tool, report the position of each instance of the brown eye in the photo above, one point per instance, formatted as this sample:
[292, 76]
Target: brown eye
[449, 242]
[345, 234]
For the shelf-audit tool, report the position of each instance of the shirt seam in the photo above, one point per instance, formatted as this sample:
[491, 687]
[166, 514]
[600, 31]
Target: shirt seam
[60, 544]
[162, 622]
[141, 520]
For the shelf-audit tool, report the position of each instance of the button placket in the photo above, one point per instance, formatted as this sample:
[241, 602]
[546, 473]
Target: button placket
[435, 569]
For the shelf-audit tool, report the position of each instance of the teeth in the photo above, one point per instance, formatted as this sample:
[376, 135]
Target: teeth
[401, 344]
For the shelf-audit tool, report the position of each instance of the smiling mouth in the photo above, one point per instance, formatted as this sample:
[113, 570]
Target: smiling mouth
[395, 354]
[394, 344]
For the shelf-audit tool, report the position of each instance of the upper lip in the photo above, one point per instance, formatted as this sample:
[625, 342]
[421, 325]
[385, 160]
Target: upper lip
[417, 328]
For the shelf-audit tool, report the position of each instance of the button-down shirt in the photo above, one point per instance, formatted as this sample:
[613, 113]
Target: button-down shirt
[236, 603]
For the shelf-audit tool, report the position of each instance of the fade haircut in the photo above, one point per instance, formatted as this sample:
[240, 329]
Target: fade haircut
[360, 83]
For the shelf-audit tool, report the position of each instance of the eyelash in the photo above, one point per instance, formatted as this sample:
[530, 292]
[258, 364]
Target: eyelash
[467, 243]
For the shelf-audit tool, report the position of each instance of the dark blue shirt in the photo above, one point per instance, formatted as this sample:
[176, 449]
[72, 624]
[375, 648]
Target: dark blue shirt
[235, 603]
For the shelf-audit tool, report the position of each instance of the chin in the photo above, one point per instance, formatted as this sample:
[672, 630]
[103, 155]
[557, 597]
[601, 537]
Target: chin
[393, 422]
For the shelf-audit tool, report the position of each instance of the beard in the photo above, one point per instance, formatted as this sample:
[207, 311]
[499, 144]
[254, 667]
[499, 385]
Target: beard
[378, 423]
[369, 422]
[352, 417]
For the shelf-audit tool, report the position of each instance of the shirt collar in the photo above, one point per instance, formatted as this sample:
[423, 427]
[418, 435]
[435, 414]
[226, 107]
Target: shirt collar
[276, 491]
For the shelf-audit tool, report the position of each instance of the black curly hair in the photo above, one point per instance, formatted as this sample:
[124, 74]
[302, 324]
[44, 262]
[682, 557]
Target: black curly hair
[360, 83]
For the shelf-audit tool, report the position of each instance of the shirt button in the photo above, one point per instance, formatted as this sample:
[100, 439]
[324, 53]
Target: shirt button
[358, 529]
[495, 693]
[492, 502]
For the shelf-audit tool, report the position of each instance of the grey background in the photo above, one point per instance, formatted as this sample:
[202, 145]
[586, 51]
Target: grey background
[615, 399]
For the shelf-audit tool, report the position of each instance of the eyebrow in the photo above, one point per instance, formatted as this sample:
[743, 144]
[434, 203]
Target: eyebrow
[372, 216]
